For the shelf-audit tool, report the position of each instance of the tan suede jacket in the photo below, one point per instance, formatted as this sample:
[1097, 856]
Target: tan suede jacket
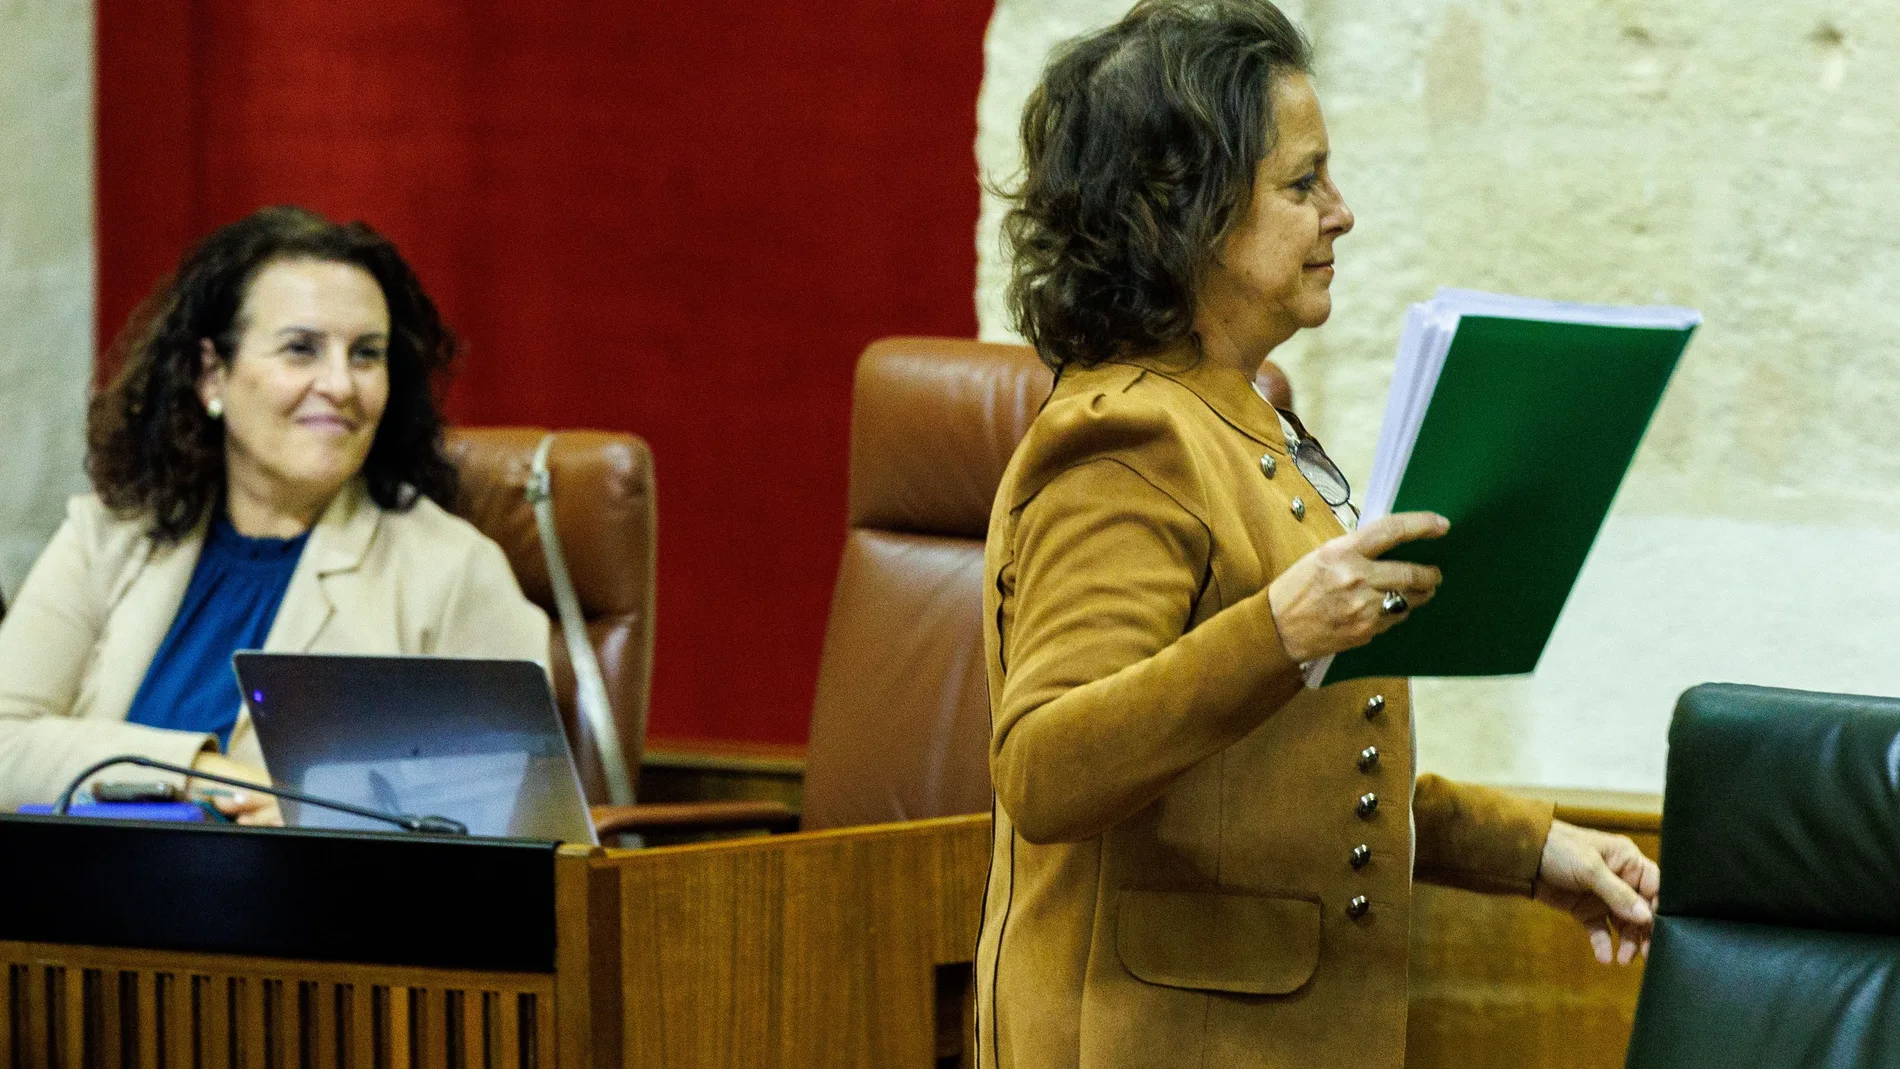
[98, 602]
[1182, 827]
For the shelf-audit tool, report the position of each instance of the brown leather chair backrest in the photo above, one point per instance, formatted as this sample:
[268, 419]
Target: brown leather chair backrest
[901, 724]
[900, 728]
[604, 511]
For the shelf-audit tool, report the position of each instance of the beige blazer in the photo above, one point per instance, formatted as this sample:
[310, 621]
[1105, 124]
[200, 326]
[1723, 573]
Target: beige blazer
[1179, 836]
[76, 645]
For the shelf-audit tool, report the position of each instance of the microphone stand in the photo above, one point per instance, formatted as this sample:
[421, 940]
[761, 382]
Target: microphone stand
[426, 825]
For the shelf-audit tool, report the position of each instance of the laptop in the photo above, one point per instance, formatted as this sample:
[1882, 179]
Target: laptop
[477, 741]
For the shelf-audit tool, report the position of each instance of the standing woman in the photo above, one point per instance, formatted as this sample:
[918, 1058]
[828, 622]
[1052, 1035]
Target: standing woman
[267, 473]
[1200, 859]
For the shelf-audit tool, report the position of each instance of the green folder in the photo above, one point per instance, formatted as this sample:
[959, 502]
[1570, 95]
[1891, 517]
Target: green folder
[1516, 419]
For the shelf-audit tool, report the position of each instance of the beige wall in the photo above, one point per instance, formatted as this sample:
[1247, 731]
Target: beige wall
[1739, 158]
[45, 268]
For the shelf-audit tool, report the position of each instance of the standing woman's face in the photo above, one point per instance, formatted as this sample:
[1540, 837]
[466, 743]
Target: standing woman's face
[1274, 273]
[306, 388]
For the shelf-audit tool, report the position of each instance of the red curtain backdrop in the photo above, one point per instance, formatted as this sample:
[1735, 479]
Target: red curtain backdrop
[680, 220]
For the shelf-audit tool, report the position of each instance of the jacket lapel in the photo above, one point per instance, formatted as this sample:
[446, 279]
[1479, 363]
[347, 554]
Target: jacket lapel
[337, 546]
[143, 606]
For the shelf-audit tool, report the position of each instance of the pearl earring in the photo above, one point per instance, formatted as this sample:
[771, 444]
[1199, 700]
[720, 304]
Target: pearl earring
[215, 408]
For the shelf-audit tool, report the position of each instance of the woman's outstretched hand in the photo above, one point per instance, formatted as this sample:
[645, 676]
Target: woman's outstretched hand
[1333, 599]
[1604, 881]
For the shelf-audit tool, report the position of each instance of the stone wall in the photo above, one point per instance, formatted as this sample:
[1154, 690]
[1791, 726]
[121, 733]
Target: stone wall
[45, 268]
[1735, 158]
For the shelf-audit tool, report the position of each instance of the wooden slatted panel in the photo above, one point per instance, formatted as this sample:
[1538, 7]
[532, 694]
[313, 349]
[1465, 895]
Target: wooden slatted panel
[19, 980]
[249, 1001]
[8, 1011]
[508, 1031]
[145, 1009]
[530, 1042]
[465, 1011]
[476, 1037]
[67, 1007]
[68, 1024]
[284, 1032]
[214, 1022]
[88, 1052]
[481, 1018]
[39, 1039]
[73, 1026]
[279, 1026]
[174, 1021]
[299, 1039]
[432, 1031]
[322, 1025]
[362, 1026]
[108, 1017]
[401, 1041]
[30, 991]
[544, 1035]
[491, 1031]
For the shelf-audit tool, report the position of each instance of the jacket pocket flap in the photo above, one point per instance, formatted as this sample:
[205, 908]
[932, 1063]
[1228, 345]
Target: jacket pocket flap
[1247, 944]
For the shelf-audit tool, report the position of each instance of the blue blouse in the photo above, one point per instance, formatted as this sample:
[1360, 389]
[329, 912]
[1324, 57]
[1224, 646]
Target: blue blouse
[229, 606]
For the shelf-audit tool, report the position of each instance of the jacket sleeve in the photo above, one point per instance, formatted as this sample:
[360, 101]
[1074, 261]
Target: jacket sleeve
[486, 615]
[46, 641]
[1107, 696]
[1478, 838]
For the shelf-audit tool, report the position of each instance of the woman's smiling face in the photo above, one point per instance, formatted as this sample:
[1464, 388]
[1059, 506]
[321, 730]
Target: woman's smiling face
[1273, 273]
[305, 389]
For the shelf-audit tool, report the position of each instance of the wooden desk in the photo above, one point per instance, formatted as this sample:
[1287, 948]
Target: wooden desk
[847, 948]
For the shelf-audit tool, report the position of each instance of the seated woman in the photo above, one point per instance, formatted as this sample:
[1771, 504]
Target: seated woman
[1200, 858]
[268, 474]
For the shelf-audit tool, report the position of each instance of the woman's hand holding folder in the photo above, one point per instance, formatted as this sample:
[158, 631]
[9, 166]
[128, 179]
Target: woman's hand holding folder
[1339, 596]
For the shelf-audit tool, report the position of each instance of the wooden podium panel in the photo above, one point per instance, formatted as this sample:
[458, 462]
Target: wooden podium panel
[846, 948]
[126, 945]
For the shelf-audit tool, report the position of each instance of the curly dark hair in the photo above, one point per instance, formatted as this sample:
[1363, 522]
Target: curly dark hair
[150, 447]
[1139, 150]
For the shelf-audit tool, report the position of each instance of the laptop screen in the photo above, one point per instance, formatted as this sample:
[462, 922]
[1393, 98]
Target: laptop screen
[476, 741]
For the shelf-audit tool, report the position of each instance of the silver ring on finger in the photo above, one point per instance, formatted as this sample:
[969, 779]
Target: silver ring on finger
[1394, 603]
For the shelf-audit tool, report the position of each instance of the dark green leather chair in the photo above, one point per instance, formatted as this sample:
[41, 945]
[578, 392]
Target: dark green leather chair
[1778, 940]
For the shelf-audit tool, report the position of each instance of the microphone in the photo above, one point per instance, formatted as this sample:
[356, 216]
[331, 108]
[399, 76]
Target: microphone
[426, 825]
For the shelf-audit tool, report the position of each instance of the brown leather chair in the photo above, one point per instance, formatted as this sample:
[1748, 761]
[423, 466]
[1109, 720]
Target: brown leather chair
[901, 724]
[604, 510]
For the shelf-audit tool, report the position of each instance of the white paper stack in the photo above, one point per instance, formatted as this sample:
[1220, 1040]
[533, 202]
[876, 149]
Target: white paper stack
[1425, 341]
